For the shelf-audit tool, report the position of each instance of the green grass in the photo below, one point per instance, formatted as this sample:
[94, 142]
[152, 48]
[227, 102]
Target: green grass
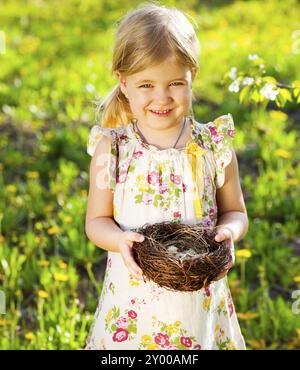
[57, 60]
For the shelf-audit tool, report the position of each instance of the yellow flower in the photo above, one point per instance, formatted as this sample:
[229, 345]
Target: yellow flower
[68, 219]
[109, 316]
[283, 153]
[297, 279]
[11, 188]
[53, 230]
[83, 193]
[4, 322]
[49, 135]
[43, 263]
[29, 336]
[222, 303]
[62, 264]
[292, 181]
[217, 328]
[243, 253]
[42, 294]
[142, 189]
[247, 315]
[38, 225]
[231, 346]
[134, 282]
[257, 343]
[140, 178]
[152, 346]
[206, 303]
[32, 174]
[48, 209]
[177, 323]
[60, 276]
[276, 114]
[146, 339]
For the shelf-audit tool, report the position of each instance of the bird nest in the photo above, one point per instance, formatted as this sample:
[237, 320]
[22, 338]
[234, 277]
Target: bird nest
[181, 257]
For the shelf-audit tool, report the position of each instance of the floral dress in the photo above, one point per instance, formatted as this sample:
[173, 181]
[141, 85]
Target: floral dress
[152, 185]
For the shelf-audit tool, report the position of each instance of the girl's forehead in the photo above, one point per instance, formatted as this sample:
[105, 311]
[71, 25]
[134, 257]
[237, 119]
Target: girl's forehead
[162, 72]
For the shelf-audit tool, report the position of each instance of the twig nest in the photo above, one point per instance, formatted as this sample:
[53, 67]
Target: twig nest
[180, 256]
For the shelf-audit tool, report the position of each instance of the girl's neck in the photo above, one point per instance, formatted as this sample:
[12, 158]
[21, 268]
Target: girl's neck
[166, 138]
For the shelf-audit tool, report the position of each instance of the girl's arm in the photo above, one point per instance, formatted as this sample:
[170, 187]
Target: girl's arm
[100, 226]
[232, 213]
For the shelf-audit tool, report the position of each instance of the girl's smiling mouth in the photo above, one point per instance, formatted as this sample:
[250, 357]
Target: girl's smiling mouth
[162, 113]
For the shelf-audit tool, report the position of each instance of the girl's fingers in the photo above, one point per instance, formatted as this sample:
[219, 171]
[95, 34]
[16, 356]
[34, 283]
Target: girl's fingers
[131, 264]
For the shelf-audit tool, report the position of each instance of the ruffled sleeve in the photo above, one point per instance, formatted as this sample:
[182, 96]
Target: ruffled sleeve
[220, 134]
[95, 135]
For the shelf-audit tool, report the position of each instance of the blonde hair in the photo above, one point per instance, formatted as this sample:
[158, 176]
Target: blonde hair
[145, 37]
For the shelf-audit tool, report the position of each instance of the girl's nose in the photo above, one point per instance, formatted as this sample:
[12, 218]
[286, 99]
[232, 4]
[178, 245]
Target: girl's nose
[162, 96]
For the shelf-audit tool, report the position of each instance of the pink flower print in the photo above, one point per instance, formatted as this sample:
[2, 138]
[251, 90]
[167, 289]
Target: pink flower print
[230, 132]
[177, 214]
[206, 222]
[153, 177]
[132, 301]
[211, 213]
[137, 154]
[197, 347]
[110, 286]
[162, 340]
[123, 137]
[186, 341]
[120, 335]
[147, 198]
[113, 162]
[207, 291]
[230, 305]
[175, 179]
[122, 177]
[132, 314]
[163, 188]
[122, 322]
[184, 187]
[124, 165]
[213, 130]
[218, 139]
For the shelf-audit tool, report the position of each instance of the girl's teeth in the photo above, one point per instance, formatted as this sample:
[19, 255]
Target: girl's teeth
[165, 111]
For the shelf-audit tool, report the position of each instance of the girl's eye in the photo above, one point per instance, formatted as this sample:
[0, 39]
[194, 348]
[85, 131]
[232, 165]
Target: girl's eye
[173, 83]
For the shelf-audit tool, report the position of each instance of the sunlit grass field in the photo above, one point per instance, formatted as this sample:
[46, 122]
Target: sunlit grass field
[55, 60]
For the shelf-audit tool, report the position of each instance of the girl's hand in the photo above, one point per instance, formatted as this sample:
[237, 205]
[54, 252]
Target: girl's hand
[125, 247]
[224, 233]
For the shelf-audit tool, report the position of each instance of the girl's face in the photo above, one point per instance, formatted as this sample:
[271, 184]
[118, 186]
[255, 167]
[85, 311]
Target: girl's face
[163, 87]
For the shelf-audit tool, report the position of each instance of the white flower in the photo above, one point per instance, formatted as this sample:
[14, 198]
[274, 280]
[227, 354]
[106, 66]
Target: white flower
[252, 56]
[234, 86]
[232, 73]
[89, 88]
[269, 91]
[247, 81]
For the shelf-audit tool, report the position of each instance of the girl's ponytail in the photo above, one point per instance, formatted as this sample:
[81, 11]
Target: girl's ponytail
[113, 110]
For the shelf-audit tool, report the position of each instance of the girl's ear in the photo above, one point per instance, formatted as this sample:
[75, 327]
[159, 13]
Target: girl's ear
[122, 82]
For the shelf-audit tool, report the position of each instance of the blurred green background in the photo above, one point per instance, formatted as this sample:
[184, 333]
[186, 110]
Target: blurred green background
[55, 59]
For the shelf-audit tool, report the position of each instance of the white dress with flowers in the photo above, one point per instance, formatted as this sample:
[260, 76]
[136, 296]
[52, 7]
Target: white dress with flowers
[152, 185]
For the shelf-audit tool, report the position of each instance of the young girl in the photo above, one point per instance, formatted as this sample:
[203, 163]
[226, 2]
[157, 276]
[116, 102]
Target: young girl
[153, 162]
